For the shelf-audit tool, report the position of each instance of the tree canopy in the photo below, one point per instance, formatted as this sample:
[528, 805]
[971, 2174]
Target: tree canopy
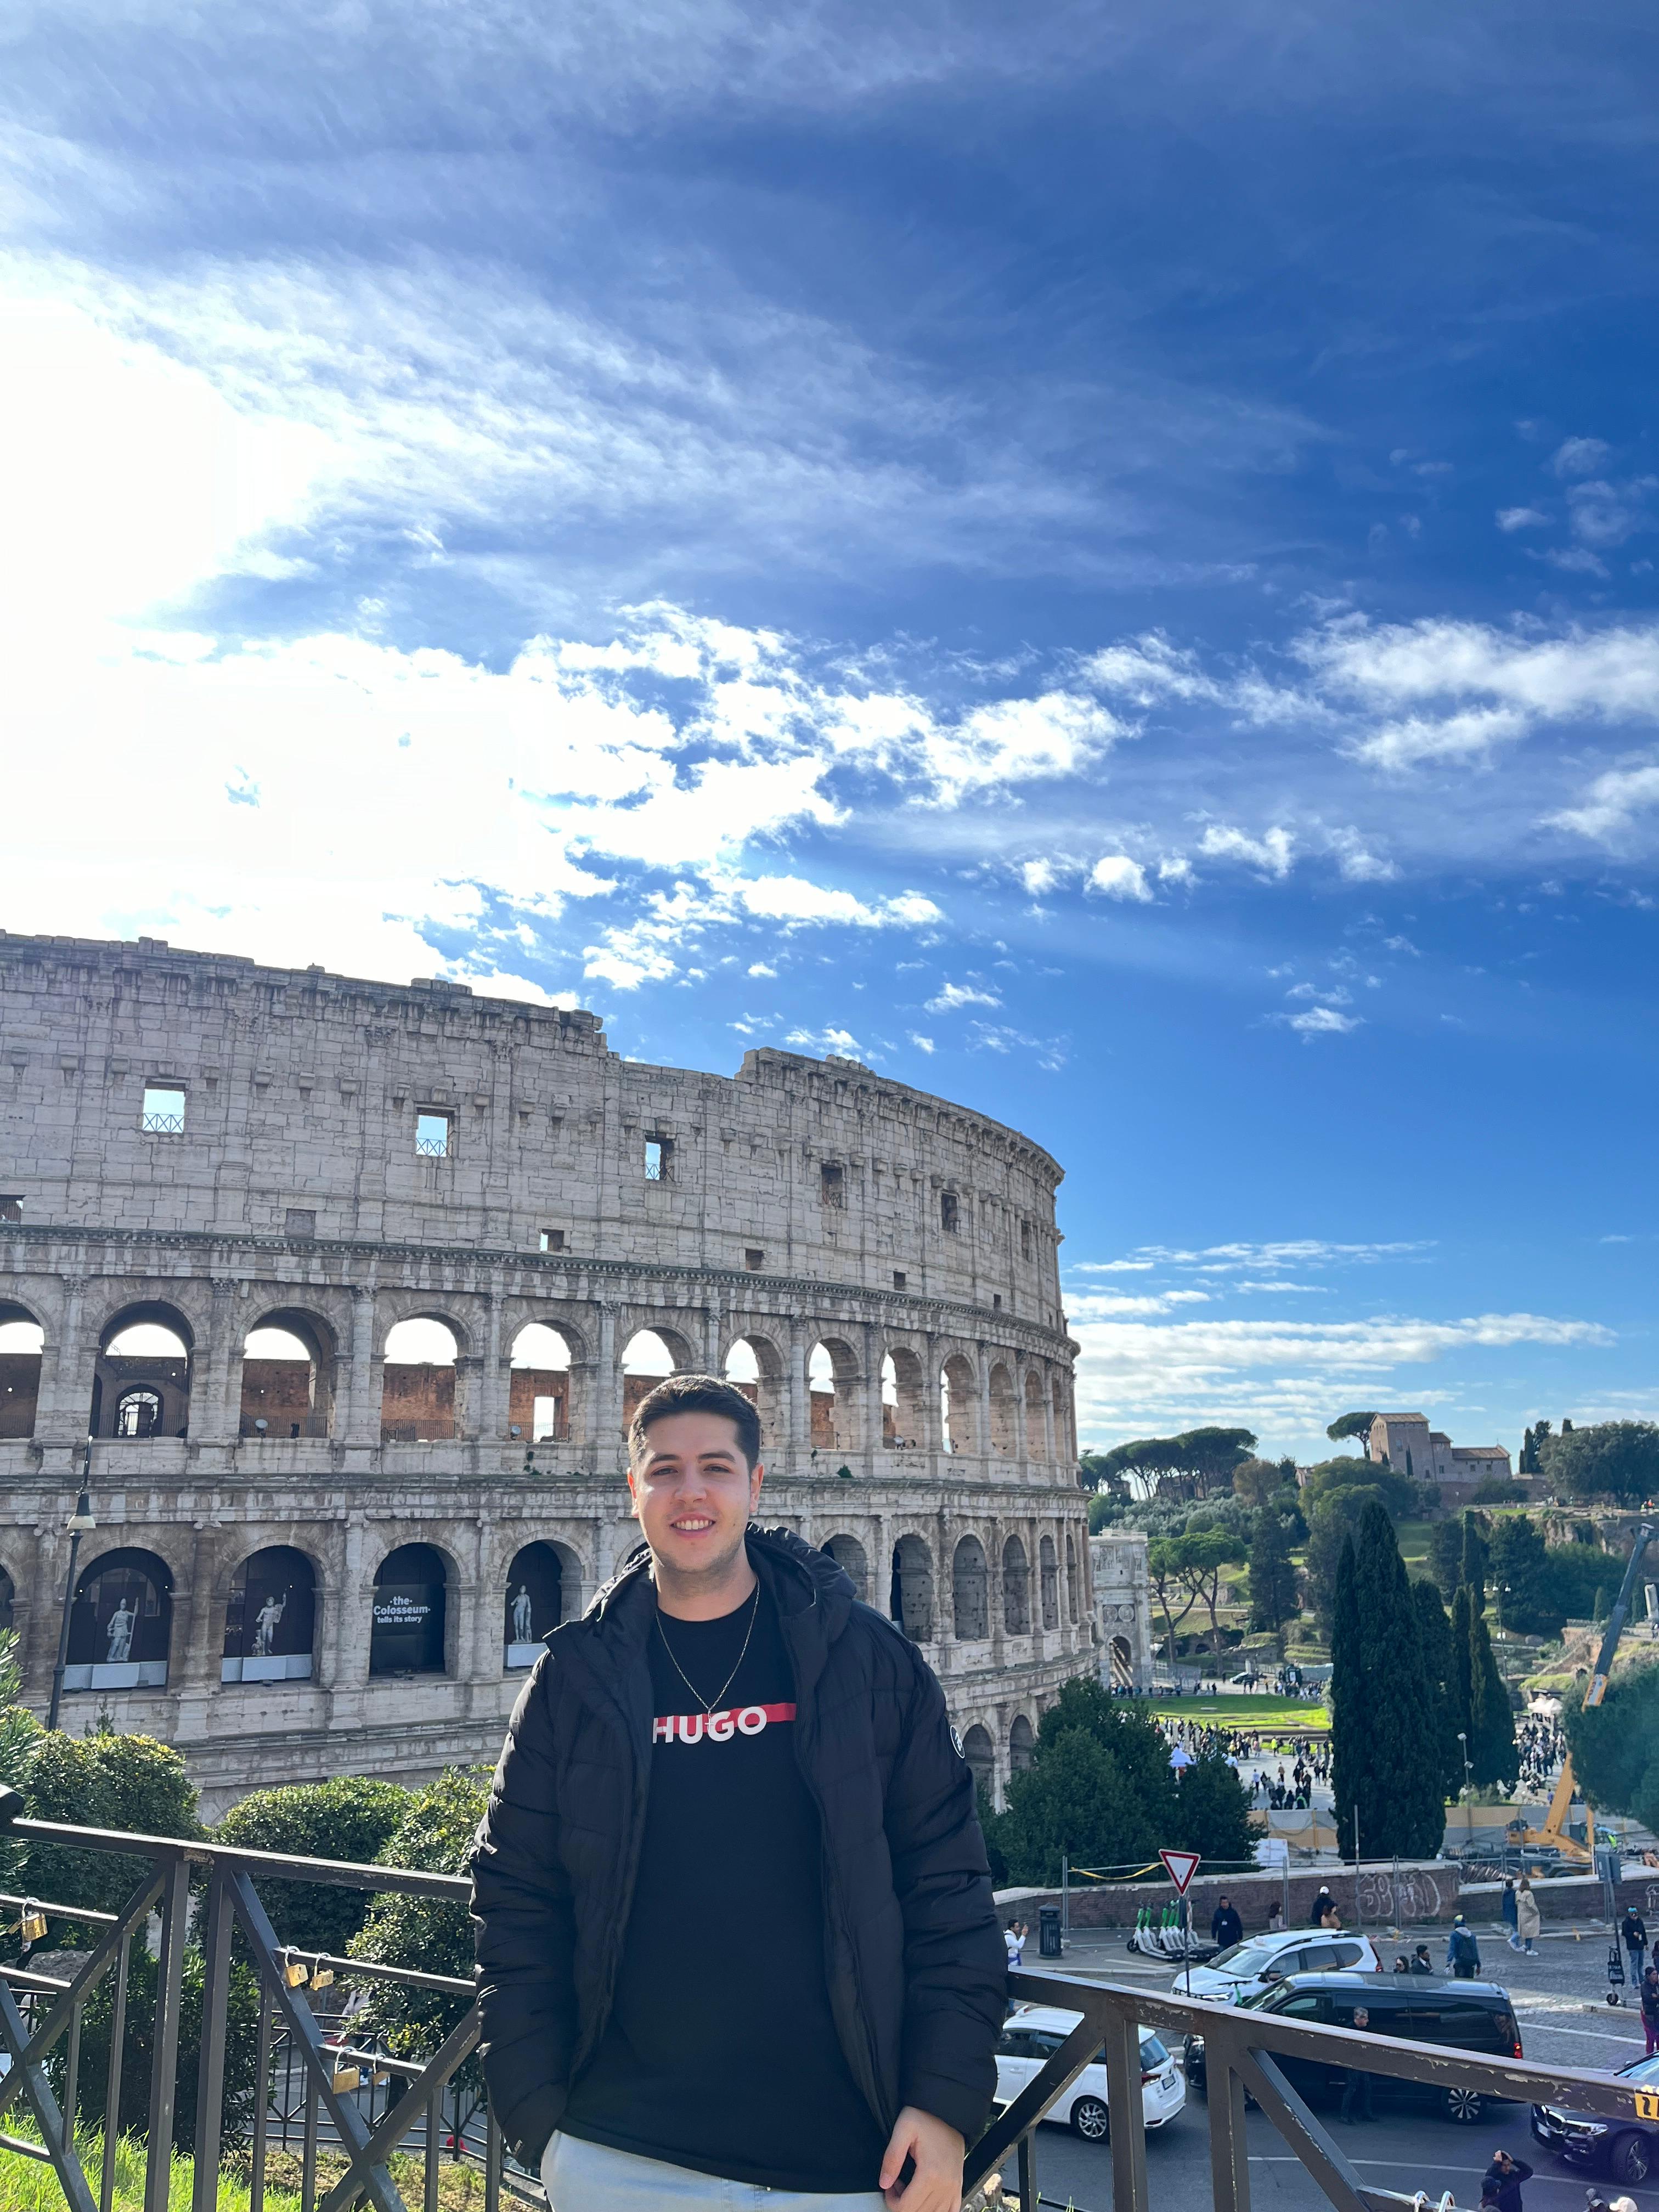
[1380, 1696]
[1350, 1424]
[1618, 1459]
[1273, 1573]
[103, 1780]
[1616, 1745]
[1195, 1464]
[351, 1817]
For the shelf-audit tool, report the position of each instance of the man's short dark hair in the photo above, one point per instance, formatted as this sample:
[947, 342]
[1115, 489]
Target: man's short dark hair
[697, 1394]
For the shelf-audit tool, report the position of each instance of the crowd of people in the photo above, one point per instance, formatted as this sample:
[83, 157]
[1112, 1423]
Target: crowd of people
[1542, 1745]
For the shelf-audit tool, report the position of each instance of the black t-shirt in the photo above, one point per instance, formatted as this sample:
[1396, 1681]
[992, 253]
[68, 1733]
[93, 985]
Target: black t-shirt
[721, 2053]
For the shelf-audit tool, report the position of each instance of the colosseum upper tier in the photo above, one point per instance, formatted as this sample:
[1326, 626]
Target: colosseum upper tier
[353, 1288]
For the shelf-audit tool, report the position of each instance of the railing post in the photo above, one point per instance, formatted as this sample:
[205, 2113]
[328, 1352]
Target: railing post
[164, 2045]
[210, 2068]
[117, 2036]
[1230, 2158]
[1122, 2042]
[256, 2188]
[1028, 2180]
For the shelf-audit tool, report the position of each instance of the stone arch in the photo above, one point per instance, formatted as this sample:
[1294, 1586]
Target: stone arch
[536, 1599]
[642, 1363]
[23, 1346]
[849, 1555]
[120, 1622]
[910, 1598]
[1049, 1581]
[1122, 1663]
[754, 1364]
[970, 1591]
[1022, 1745]
[980, 1753]
[418, 1381]
[1073, 1591]
[1005, 1419]
[1037, 1442]
[832, 1375]
[270, 1618]
[141, 1378]
[538, 1384]
[289, 1360]
[1016, 1588]
[1065, 1449]
[903, 1399]
[958, 1390]
[409, 1612]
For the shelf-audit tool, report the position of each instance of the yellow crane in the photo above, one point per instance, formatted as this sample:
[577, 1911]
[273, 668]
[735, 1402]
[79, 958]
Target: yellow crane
[1554, 1833]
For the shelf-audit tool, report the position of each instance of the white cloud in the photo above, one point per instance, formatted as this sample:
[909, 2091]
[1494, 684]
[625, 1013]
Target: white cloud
[1270, 854]
[921, 1043]
[952, 995]
[842, 1042]
[1320, 1021]
[1579, 457]
[1357, 861]
[1612, 804]
[1521, 517]
[1038, 877]
[1302, 1253]
[761, 967]
[1117, 877]
[1576, 561]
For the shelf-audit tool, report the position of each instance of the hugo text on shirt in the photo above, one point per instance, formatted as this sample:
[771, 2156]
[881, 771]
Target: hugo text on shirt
[717, 1728]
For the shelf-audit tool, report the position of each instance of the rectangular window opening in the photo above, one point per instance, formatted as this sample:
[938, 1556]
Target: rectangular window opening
[949, 1211]
[545, 1420]
[996, 1301]
[832, 1184]
[1024, 1240]
[435, 1135]
[898, 1278]
[552, 1240]
[164, 1110]
[11, 1206]
[300, 1221]
[753, 1259]
[658, 1160]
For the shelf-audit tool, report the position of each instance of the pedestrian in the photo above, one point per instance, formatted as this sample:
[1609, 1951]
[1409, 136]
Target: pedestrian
[1421, 1962]
[1402, 1965]
[1356, 2085]
[1013, 1937]
[1462, 1952]
[1634, 1930]
[1225, 1926]
[1509, 1912]
[733, 1910]
[1506, 2174]
[1651, 2007]
[1527, 1918]
[1316, 1912]
[1276, 1918]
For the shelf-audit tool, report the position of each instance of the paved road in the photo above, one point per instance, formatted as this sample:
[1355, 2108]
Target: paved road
[1559, 2003]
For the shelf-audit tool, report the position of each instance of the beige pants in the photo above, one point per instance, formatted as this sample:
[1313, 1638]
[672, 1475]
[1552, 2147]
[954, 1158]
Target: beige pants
[585, 2177]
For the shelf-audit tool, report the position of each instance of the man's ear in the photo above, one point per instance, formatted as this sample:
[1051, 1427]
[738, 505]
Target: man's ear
[756, 1479]
[633, 1495]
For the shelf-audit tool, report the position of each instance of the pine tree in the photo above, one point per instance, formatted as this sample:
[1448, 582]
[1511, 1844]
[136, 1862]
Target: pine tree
[1458, 1685]
[1436, 1630]
[1382, 1695]
[1491, 1723]
[1273, 1573]
[1477, 1558]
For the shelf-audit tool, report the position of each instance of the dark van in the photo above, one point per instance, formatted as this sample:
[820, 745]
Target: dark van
[1472, 2016]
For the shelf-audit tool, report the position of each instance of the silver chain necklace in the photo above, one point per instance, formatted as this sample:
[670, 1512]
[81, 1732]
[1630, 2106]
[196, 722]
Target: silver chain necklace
[709, 1707]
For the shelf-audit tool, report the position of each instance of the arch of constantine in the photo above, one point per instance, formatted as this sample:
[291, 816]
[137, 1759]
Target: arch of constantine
[354, 1288]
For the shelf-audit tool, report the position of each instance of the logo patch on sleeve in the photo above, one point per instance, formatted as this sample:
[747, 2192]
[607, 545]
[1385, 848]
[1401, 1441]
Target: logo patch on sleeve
[956, 1739]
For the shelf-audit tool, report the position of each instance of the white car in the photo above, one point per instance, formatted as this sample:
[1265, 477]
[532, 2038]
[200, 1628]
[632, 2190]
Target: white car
[1031, 2036]
[1245, 1969]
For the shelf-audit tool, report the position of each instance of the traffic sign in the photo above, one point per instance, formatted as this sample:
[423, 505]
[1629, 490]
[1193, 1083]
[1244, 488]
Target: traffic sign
[1180, 1867]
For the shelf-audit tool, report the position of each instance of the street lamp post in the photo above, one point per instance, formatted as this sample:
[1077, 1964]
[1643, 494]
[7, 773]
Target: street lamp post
[1468, 1769]
[78, 1524]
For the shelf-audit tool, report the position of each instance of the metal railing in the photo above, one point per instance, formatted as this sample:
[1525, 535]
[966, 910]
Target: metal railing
[352, 2104]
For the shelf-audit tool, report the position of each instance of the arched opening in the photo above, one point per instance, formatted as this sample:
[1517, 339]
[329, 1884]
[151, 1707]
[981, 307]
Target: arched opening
[417, 1383]
[22, 1340]
[287, 1378]
[535, 1604]
[407, 1632]
[270, 1620]
[7, 1602]
[970, 1591]
[1073, 1593]
[1016, 1588]
[140, 1379]
[646, 1359]
[848, 1554]
[1022, 1745]
[755, 1366]
[911, 1599]
[538, 1385]
[831, 1377]
[120, 1624]
[981, 1755]
[1048, 1580]
[1036, 1441]
[1004, 1427]
[956, 1392]
[1122, 1663]
[903, 1415]
[1064, 1448]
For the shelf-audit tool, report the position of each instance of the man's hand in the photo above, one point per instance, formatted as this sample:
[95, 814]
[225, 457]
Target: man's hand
[938, 2151]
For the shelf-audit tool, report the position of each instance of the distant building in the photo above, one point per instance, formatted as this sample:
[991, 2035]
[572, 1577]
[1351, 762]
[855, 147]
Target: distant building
[1123, 1608]
[1407, 1444]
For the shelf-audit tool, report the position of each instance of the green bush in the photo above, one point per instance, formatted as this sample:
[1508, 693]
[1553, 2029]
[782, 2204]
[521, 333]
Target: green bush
[21, 1736]
[1616, 1745]
[241, 2044]
[351, 1817]
[436, 1836]
[103, 1780]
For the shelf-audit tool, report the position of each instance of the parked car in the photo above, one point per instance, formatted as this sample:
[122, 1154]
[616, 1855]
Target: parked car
[1627, 2149]
[1245, 1970]
[1031, 2036]
[1473, 2016]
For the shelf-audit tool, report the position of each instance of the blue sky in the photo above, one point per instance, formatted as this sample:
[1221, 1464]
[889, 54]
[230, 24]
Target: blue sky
[1098, 559]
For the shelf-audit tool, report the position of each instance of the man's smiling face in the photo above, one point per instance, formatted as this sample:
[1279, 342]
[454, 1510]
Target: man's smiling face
[693, 1494]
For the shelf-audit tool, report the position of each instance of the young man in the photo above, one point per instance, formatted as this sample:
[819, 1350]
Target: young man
[734, 1914]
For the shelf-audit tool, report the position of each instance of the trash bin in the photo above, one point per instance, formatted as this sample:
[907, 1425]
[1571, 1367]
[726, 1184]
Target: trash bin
[1049, 1931]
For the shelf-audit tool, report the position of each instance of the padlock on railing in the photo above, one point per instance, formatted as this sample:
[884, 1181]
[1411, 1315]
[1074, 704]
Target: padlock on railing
[296, 1973]
[33, 1925]
[348, 2077]
[321, 1977]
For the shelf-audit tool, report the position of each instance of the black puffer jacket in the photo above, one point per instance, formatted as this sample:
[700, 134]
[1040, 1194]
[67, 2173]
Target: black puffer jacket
[914, 1964]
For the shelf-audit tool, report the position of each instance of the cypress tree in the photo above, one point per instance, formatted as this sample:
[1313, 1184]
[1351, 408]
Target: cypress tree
[1273, 1573]
[1491, 1723]
[1436, 1630]
[1383, 1697]
[1476, 1558]
[1458, 1683]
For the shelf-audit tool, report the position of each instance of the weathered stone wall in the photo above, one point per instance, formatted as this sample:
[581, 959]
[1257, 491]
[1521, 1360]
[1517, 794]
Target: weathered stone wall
[803, 1204]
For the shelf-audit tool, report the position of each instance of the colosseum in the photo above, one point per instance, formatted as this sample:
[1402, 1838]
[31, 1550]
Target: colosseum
[338, 1298]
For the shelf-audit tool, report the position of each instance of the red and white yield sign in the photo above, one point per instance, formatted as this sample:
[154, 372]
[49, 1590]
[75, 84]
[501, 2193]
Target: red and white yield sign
[1180, 1867]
